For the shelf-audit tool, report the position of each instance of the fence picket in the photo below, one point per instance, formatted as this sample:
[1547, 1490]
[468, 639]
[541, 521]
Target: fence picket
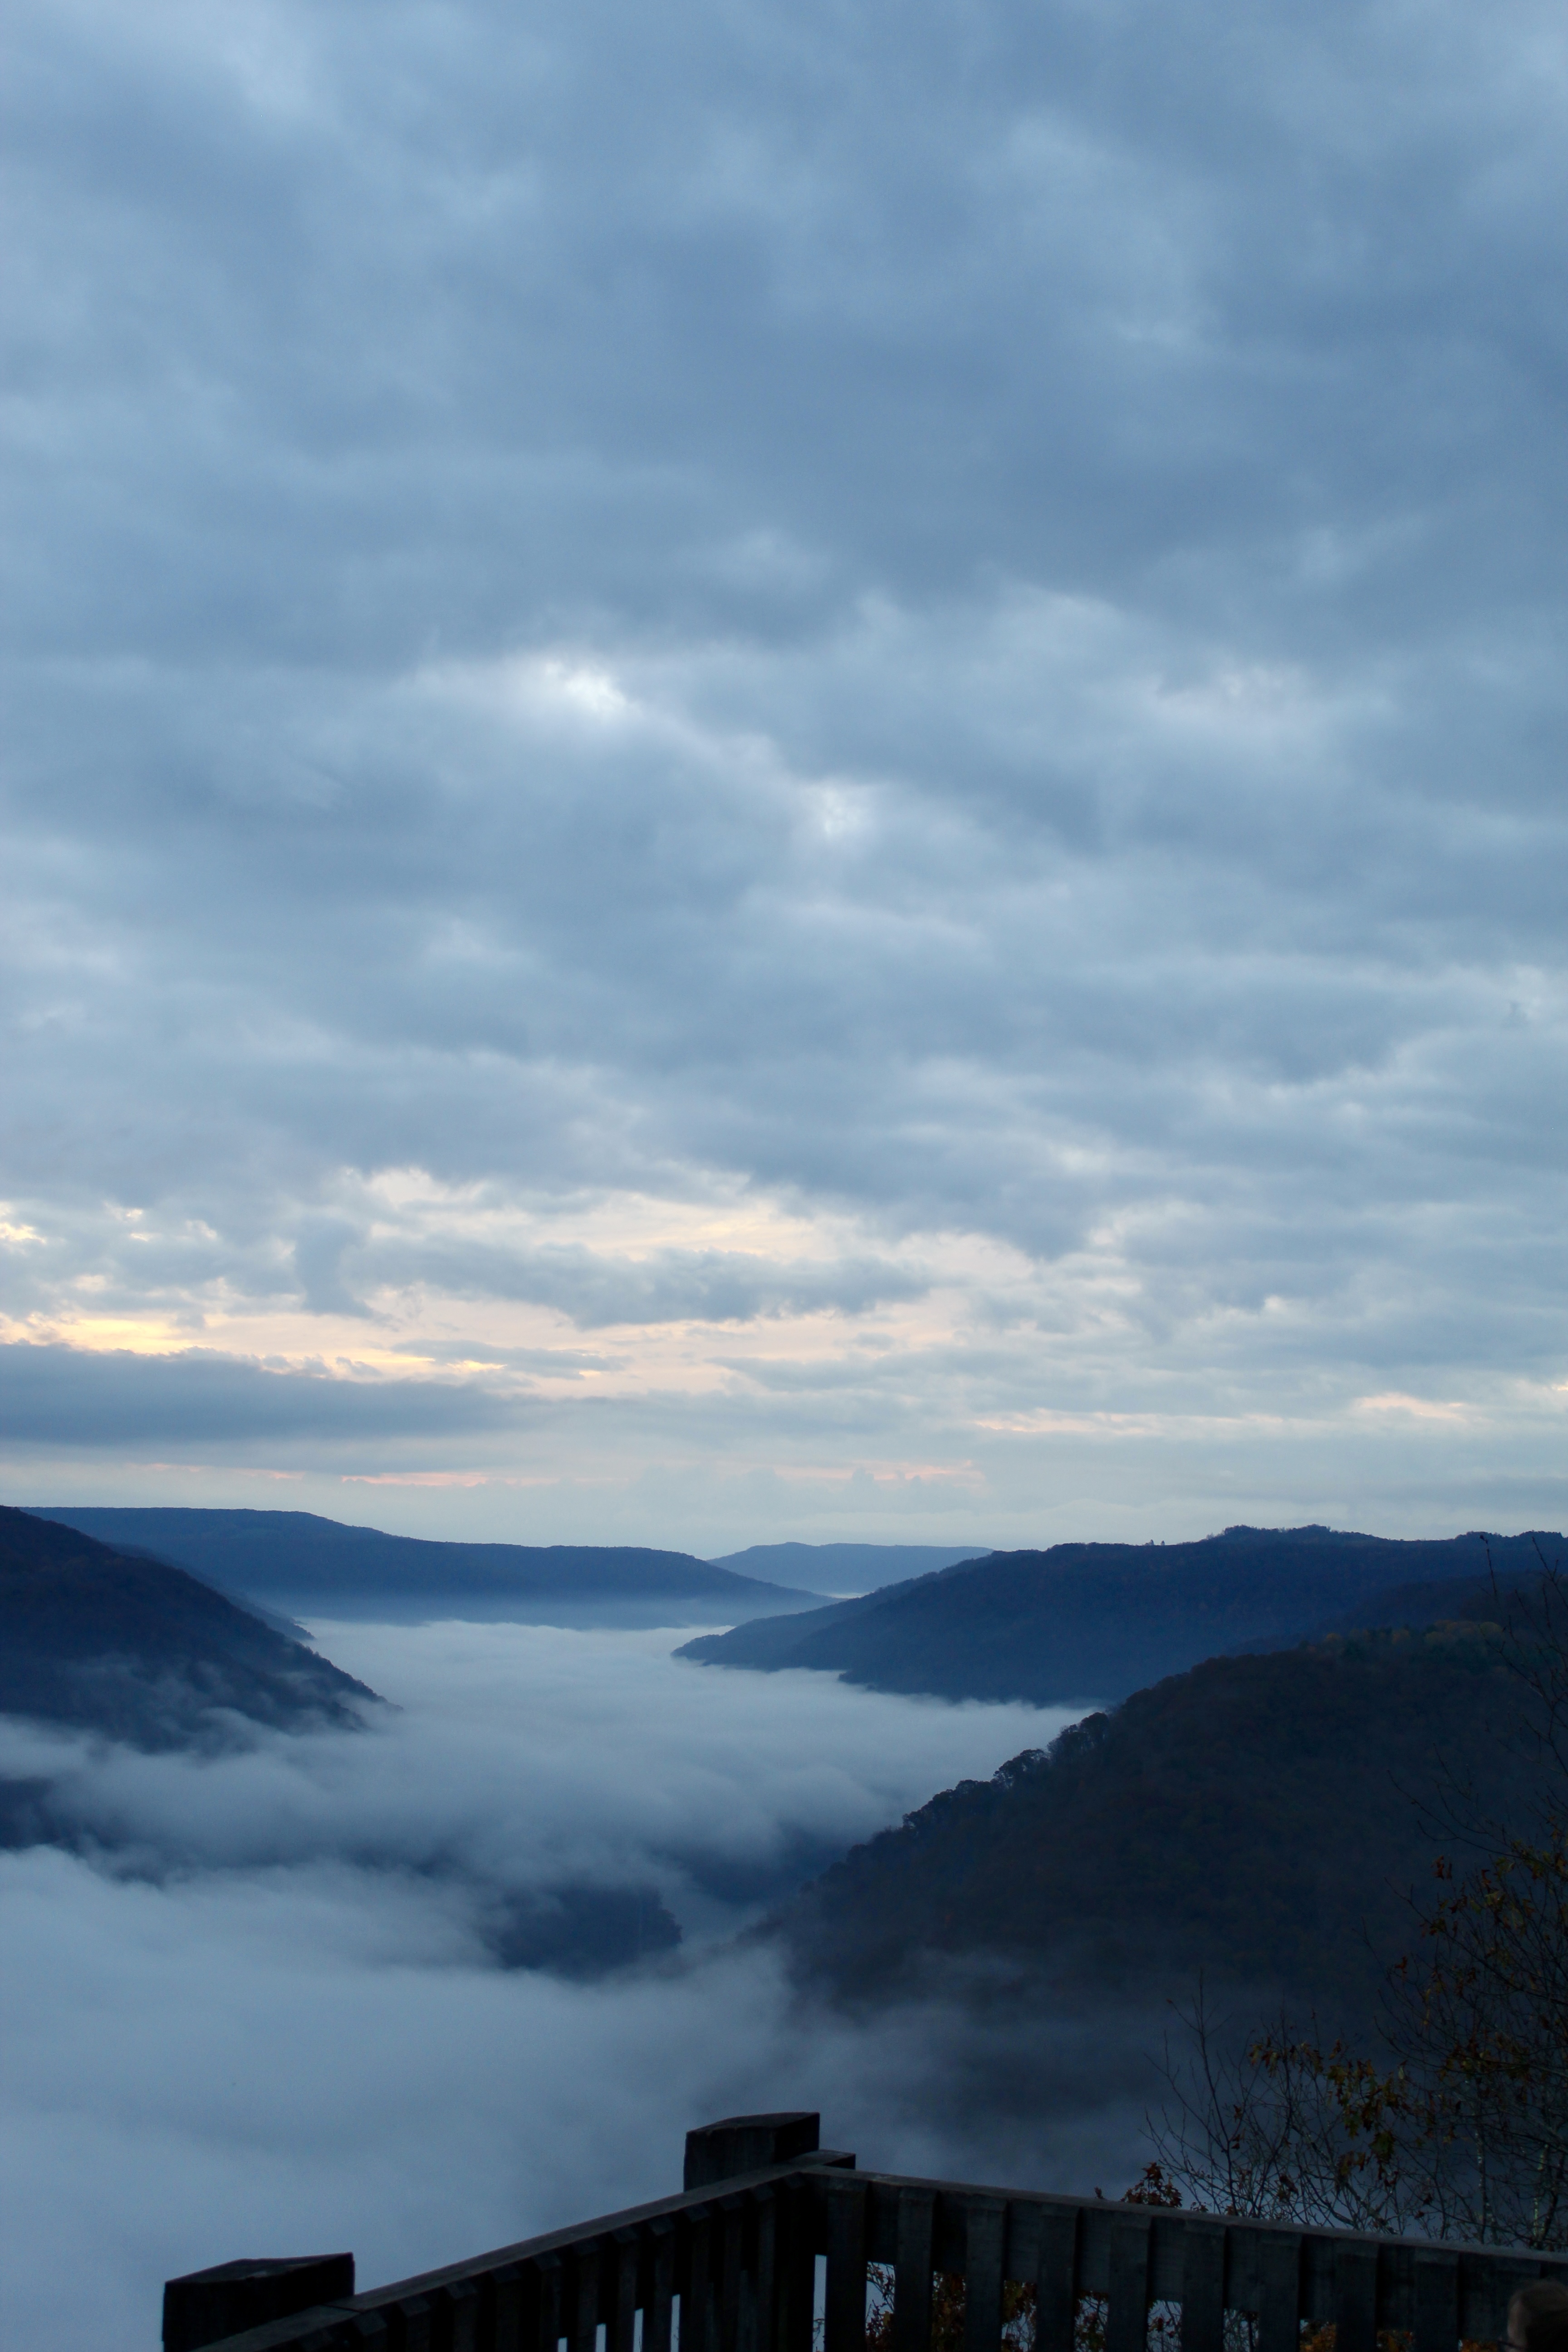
[621, 2280]
[509, 2312]
[729, 2248]
[1203, 2285]
[764, 2272]
[1436, 2303]
[1132, 2245]
[1055, 2279]
[984, 2231]
[845, 2327]
[1355, 2297]
[912, 2270]
[1279, 2297]
[659, 2309]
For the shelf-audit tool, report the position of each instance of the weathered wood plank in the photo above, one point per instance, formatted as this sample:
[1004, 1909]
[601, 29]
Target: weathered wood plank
[796, 2267]
[844, 2319]
[912, 2270]
[1130, 2283]
[582, 2308]
[618, 2307]
[765, 2271]
[548, 2310]
[1279, 2291]
[1055, 2278]
[1203, 2285]
[1436, 2303]
[461, 2314]
[985, 2225]
[1355, 2297]
[415, 2332]
[658, 2309]
[509, 2309]
[698, 2318]
[729, 2250]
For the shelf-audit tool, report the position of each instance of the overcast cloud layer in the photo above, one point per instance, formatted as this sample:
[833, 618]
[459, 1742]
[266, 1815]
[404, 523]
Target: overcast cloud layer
[776, 770]
[267, 2014]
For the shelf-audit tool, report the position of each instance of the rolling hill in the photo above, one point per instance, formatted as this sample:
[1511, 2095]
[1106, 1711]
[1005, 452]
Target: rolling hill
[299, 1561]
[139, 1651]
[1091, 1622]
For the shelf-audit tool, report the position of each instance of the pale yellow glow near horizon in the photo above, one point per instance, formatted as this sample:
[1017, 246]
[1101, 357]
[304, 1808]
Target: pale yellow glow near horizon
[415, 1336]
[423, 1330]
[978, 1303]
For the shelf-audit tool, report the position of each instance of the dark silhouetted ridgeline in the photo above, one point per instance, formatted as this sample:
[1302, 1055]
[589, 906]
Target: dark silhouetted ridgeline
[301, 1561]
[1084, 1622]
[138, 1650]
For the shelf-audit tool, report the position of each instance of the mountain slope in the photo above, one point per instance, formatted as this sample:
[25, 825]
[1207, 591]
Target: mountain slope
[139, 1651]
[1094, 1622]
[1253, 1817]
[304, 1562]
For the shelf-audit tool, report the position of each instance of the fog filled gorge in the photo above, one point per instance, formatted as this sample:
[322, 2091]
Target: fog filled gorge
[265, 2007]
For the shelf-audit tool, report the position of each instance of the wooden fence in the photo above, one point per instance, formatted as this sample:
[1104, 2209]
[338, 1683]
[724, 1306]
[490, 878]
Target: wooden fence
[730, 2266]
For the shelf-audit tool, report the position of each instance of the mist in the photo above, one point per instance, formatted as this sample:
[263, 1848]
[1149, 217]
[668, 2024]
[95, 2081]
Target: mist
[259, 2009]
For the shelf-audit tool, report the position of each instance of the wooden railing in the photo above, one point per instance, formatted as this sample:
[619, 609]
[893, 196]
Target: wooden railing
[731, 2265]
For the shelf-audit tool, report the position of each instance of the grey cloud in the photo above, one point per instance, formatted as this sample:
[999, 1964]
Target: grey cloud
[68, 1397]
[705, 1286]
[1074, 506]
[319, 1251]
[683, 278]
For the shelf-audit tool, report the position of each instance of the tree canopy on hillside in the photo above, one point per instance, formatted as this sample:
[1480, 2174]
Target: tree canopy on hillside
[1253, 1817]
[1453, 2118]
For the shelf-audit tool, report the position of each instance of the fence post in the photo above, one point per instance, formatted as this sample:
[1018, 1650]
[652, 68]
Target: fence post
[748, 2143]
[203, 2306]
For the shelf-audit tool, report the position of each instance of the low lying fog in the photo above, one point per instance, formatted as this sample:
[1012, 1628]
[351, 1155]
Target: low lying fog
[266, 2015]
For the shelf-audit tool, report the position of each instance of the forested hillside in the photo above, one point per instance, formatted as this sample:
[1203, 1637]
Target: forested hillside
[139, 1651]
[1257, 1818]
[1090, 1622]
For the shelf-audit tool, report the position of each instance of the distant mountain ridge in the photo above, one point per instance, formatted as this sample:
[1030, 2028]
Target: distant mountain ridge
[138, 1650]
[301, 1561]
[846, 1567]
[1091, 1622]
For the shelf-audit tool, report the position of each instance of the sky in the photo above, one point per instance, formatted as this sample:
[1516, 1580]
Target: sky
[787, 771]
[263, 2014]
